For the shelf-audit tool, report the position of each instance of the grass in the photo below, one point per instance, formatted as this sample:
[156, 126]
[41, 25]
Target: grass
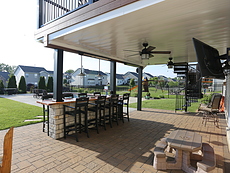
[13, 113]
[164, 104]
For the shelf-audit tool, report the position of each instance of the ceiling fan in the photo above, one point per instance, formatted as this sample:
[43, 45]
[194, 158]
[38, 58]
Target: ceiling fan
[147, 52]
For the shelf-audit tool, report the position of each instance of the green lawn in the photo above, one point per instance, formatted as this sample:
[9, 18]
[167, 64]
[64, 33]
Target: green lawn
[13, 113]
[165, 104]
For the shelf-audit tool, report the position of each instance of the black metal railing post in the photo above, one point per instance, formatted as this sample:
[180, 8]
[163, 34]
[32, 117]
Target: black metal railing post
[40, 13]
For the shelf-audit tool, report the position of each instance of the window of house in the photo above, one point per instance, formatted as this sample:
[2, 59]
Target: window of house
[27, 75]
[35, 75]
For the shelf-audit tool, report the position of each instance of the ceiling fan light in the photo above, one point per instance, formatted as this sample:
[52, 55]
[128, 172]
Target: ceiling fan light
[170, 63]
[170, 66]
[145, 56]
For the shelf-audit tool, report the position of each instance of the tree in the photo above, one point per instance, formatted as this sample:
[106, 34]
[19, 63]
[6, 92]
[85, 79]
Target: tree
[42, 83]
[49, 85]
[132, 82]
[70, 71]
[1, 87]
[22, 85]
[12, 82]
[7, 68]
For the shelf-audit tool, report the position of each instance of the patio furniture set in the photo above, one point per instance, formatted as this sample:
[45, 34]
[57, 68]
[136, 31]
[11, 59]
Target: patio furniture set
[184, 150]
[77, 115]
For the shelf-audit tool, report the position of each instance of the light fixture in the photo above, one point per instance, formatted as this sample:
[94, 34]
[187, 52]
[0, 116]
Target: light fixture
[144, 56]
[99, 75]
[81, 73]
[170, 64]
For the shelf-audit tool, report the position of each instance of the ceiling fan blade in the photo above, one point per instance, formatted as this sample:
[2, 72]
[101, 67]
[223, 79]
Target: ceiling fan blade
[131, 50]
[133, 55]
[150, 48]
[161, 52]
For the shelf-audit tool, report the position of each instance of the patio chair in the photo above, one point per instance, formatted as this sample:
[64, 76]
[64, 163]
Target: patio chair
[122, 102]
[45, 110]
[97, 93]
[82, 95]
[96, 108]
[5, 160]
[211, 110]
[81, 107]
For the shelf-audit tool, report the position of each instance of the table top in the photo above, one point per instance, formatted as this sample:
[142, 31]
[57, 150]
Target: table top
[66, 100]
[185, 140]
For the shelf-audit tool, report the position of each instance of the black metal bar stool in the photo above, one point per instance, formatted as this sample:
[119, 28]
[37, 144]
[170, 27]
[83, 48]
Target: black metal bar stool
[82, 95]
[97, 107]
[45, 110]
[122, 102]
[97, 93]
[113, 107]
[81, 107]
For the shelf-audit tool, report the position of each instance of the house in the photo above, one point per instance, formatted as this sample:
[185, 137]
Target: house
[4, 76]
[89, 78]
[130, 75]
[119, 79]
[31, 74]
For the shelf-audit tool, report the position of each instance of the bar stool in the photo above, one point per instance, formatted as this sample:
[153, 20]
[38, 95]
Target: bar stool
[97, 93]
[97, 106]
[81, 107]
[45, 110]
[113, 107]
[122, 102]
[82, 95]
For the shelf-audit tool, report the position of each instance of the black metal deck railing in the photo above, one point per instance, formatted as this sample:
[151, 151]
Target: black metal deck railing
[50, 10]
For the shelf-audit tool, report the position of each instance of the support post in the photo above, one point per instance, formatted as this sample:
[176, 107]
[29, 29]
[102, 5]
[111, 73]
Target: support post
[113, 77]
[58, 75]
[139, 95]
[186, 89]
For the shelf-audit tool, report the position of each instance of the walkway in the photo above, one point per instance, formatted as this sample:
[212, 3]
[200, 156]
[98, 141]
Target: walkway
[127, 147]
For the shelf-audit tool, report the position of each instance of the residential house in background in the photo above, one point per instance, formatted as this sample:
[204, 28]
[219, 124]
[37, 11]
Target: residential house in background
[148, 75]
[130, 75]
[119, 79]
[90, 78]
[4, 76]
[31, 74]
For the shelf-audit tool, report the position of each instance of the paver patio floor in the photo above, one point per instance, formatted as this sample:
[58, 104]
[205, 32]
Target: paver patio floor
[127, 147]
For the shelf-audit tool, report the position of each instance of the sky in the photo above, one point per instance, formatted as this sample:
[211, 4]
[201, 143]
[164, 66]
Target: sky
[18, 24]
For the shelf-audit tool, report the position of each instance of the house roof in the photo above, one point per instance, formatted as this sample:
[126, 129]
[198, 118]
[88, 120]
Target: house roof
[119, 76]
[4, 74]
[131, 73]
[148, 74]
[87, 71]
[32, 69]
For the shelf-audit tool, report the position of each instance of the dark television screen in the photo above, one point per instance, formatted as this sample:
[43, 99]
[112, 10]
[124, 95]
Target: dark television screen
[207, 57]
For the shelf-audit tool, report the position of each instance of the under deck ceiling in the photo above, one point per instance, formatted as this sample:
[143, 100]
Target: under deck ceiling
[167, 25]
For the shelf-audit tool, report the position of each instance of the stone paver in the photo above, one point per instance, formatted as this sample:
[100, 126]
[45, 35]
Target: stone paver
[127, 147]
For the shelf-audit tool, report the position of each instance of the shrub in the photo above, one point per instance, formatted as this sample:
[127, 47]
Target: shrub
[161, 96]
[50, 84]
[80, 90]
[42, 83]
[22, 85]
[1, 87]
[12, 82]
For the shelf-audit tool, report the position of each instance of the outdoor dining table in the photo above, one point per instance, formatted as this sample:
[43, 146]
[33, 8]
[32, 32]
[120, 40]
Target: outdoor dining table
[185, 142]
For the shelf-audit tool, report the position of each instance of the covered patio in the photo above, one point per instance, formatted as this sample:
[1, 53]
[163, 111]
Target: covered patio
[127, 147]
